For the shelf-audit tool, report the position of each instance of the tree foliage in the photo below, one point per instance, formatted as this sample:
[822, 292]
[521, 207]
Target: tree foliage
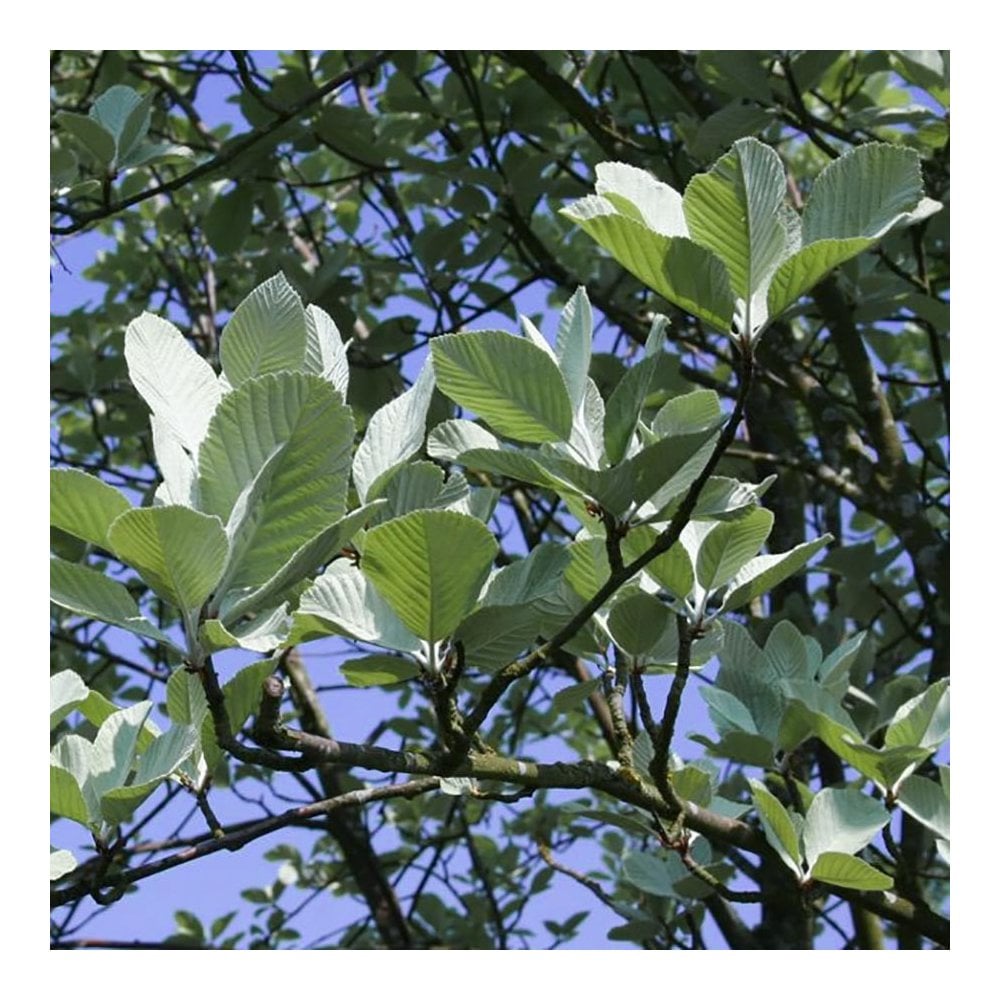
[590, 410]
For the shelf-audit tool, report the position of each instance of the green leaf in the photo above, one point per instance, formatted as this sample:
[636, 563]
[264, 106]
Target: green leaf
[524, 466]
[394, 433]
[65, 797]
[694, 411]
[164, 152]
[420, 485]
[780, 826]
[85, 591]
[672, 570]
[637, 622]
[624, 406]
[536, 337]
[266, 333]
[806, 268]
[727, 712]
[729, 546]
[83, 505]
[451, 438]
[733, 121]
[763, 573]
[378, 670]
[588, 569]
[493, 636]
[512, 384]
[663, 656]
[721, 499]
[412, 561]
[863, 194]
[740, 748]
[785, 652]
[66, 691]
[262, 633]
[927, 802]
[733, 210]
[835, 671]
[177, 384]
[319, 550]
[243, 691]
[135, 127]
[573, 342]
[664, 469]
[164, 756]
[735, 71]
[186, 703]
[176, 466]
[641, 197]
[96, 139]
[97, 709]
[189, 926]
[114, 107]
[923, 721]
[884, 767]
[849, 872]
[246, 515]
[230, 219]
[568, 698]
[694, 783]
[177, 551]
[326, 352]
[686, 274]
[526, 579]
[304, 417]
[653, 874]
[344, 599]
[116, 747]
[842, 820]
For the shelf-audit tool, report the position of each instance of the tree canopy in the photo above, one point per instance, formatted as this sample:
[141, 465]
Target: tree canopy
[578, 419]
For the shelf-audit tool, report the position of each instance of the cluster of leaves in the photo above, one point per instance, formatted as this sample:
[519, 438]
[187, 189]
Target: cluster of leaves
[299, 495]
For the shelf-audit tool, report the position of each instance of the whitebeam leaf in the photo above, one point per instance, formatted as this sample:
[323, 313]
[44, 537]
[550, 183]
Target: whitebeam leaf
[394, 433]
[573, 341]
[683, 272]
[855, 201]
[60, 863]
[179, 552]
[320, 549]
[763, 573]
[452, 437]
[266, 333]
[508, 381]
[160, 759]
[304, 416]
[842, 820]
[177, 384]
[849, 872]
[640, 196]
[863, 193]
[730, 545]
[779, 825]
[83, 505]
[66, 691]
[346, 600]
[733, 210]
[85, 591]
[176, 465]
[430, 566]
[326, 353]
